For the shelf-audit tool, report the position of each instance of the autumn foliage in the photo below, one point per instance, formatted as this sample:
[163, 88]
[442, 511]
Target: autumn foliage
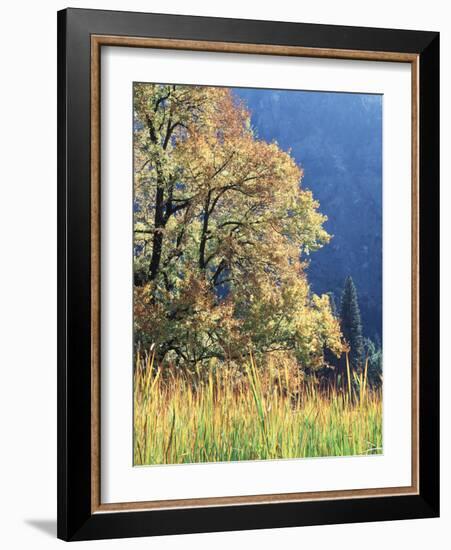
[222, 232]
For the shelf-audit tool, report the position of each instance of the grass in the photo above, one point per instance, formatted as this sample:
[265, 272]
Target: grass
[227, 415]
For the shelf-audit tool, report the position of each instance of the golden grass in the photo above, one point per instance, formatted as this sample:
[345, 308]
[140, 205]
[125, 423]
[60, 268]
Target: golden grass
[227, 415]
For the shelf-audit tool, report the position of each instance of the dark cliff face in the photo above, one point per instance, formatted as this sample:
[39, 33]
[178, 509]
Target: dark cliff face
[337, 139]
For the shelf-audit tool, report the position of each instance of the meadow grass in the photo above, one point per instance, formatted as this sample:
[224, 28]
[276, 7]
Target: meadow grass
[230, 415]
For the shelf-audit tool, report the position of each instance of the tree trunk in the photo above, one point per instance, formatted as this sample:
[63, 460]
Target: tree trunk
[157, 242]
[203, 238]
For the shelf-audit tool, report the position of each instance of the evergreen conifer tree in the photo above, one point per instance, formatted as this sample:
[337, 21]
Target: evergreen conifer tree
[351, 325]
[373, 352]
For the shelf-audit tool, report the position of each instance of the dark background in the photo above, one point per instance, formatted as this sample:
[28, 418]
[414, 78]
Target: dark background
[337, 139]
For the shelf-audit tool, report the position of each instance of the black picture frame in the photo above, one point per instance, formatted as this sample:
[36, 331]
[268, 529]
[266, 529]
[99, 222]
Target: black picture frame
[75, 518]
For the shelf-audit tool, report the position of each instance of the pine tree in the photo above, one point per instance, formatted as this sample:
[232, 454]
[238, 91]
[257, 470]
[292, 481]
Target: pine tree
[351, 325]
[373, 352]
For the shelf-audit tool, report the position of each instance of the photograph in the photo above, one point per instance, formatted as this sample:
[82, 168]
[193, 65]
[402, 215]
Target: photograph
[248, 272]
[257, 274]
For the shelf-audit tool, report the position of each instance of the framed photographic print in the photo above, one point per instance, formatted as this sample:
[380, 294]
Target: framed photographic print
[248, 274]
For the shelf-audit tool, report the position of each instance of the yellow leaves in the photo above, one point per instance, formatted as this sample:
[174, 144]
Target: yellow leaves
[231, 209]
[330, 326]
